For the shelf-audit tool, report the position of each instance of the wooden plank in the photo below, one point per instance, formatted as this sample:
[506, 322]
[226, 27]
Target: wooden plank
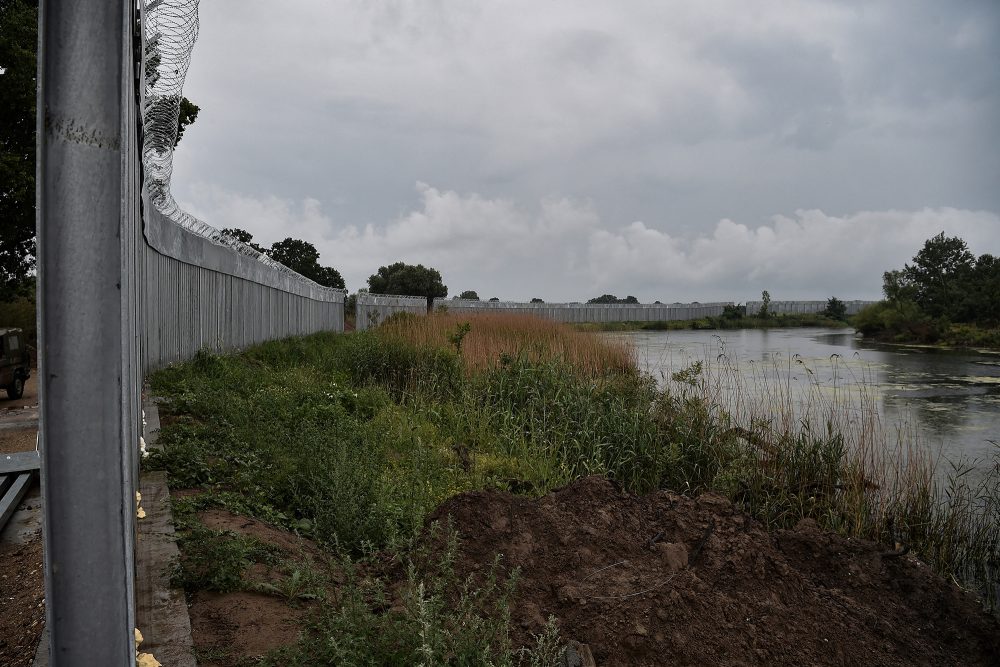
[13, 496]
[18, 462]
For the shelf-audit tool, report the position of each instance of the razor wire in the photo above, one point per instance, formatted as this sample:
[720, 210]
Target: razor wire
[169, 30]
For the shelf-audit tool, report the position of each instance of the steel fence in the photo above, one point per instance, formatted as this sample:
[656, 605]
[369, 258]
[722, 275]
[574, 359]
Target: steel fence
[590, 312]
[371, 309]
[802, 307]
[199, 295]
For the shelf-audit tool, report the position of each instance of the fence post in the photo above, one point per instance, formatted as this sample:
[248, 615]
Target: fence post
[85, 192]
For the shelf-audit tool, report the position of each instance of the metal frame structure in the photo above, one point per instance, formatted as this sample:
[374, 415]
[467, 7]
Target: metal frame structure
[88, 373]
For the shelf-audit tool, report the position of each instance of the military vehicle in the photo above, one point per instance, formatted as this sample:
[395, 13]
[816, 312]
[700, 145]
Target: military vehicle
[15, 362]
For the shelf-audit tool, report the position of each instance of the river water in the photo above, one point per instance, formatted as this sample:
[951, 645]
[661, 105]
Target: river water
[947, 400]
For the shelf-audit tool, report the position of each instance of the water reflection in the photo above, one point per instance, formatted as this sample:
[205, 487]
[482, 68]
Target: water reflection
[949, 398]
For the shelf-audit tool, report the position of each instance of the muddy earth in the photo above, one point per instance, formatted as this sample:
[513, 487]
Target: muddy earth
[669, 580]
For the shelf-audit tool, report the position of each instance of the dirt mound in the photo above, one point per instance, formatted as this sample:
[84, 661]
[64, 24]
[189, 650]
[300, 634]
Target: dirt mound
[664, 579]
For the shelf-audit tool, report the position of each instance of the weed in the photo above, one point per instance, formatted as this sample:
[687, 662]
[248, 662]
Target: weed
[217, 561]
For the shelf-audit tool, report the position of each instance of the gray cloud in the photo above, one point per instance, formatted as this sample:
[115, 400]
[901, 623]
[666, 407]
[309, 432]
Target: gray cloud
[681, 115]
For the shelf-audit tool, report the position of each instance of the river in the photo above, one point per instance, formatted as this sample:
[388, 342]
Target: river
[946, 400]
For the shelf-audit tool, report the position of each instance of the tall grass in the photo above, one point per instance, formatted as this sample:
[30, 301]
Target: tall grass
[812, 450]
[483, 340]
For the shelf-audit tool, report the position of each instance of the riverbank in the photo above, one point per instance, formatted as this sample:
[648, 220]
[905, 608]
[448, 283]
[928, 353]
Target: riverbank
[951, 336]
[718, 323]
[906, 323]
[309, 471]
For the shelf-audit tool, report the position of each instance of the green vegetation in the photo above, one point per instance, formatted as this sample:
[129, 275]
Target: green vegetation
[18, 44]
[611, 298]
[946, 296]
[352, 440]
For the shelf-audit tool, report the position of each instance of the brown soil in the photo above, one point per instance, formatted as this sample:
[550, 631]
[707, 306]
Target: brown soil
[22, 440]
[654, 580]
[22, 601]
[665, 579]
[18, 412]
[231, 628]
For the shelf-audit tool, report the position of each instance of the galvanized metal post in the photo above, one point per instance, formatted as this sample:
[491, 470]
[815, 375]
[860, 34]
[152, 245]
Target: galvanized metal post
[87, 473]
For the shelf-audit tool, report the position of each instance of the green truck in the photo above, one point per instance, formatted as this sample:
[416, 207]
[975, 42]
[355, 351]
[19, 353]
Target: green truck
[15, 362]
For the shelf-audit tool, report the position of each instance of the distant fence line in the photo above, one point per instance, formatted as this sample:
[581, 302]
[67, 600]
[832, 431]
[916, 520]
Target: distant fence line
[372, 309]
[803, 307]
[590, 312]
[375, 308]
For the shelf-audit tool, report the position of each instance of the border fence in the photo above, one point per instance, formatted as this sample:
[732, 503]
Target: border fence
[199, 295]
[802, 307]
[590, 312]
[372, 309]
[127, 282]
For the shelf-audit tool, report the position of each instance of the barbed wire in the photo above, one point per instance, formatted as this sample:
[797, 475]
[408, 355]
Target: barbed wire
[169, 30]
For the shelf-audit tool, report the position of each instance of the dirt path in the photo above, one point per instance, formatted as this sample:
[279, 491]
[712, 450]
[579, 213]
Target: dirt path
[19, 418]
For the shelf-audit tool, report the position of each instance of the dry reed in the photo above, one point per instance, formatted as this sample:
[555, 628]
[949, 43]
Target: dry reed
[483, 340]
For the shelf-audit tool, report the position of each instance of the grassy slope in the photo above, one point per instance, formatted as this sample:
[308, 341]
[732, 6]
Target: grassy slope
[353, 439]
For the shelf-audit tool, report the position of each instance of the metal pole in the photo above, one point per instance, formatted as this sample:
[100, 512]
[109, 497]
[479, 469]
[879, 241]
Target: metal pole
[86, 474]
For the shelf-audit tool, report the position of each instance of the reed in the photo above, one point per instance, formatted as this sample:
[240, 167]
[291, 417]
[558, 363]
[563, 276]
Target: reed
[484, 340]
[812, 449]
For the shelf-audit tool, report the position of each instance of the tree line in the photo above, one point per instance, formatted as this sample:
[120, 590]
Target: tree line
[944, 286]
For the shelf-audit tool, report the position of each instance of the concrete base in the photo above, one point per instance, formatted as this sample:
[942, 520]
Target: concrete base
[161, 611]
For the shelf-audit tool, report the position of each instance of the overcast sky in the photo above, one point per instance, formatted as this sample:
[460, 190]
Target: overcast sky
[674, 151]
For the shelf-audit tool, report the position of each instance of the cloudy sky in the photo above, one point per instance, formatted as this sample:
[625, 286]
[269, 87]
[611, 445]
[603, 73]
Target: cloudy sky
[674, 151]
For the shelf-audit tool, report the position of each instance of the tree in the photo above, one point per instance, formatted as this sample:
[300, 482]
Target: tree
[896, 287]
[765, 306]
[940, 273]
[303, 258]
[835, 309]
[242, 236]
[982, 299]
[611, 298]
[408, 279]
[604, 298]
[468, 294]
[494, 299]
[18, 43]
[188, 115]
[537, 300]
